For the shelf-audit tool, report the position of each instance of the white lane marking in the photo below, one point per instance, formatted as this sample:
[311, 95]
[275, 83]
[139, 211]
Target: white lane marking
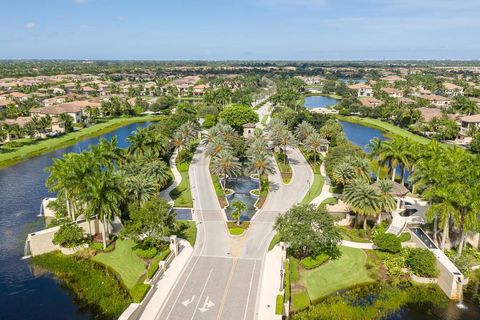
[207, 305]
[196, 261]
[188, 301]
[249, 291]
[201, 294]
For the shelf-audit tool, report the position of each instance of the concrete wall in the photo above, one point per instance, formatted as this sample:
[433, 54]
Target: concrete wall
[450, 279]
[41, 242]
[473, 239]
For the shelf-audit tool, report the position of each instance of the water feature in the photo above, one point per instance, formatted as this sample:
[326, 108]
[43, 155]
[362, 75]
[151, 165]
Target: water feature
[241, 187]
[319, 102]
[24, 295]
[354, 80]
[360, 135]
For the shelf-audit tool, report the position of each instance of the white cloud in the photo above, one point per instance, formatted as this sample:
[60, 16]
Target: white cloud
[30, 25]
[298, 3]
[80, 1]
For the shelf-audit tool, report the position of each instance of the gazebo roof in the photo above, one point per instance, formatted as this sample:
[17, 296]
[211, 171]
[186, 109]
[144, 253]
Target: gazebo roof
[398, 190]
[249, 125]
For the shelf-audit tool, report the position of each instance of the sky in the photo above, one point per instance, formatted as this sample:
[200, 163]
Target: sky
[240, 29]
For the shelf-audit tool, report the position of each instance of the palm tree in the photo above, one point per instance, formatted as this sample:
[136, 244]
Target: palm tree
[104, 197]
[304, 130]
[363, 198]
[376, 149]
[257, 145]
[396, 152]
[343, 173]
[224, 163]
[313, 143]
[261, 163]
[141, 188]
[238, 208]
[286, 139]
[217, 145]
[387, 201]
[443, 212]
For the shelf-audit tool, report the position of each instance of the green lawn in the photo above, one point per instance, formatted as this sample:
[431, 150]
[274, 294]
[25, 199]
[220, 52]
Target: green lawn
[186, 230]
[285, 169]
[124, 261]
[315, 189]
[385, 127]
[41, 146]
[345, 272]
[182, 194]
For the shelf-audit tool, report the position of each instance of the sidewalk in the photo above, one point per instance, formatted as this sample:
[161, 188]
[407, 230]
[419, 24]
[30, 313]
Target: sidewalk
[325, 194]
[270, 285]
[167, 282]
[177, 178]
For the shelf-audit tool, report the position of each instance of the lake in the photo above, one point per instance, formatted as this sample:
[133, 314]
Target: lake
[22, 188]
[319, 102]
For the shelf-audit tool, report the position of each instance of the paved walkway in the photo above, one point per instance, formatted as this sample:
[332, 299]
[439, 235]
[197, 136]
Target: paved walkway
[270, 287]
[177, 178]
[358, 245]
[325, 194]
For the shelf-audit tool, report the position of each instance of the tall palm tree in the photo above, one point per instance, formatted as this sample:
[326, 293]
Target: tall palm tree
[238, 208]
[387, 201]
[363, 198]
[104, 197]
[375, 147]
[217, 145]
[313, 143]
[304, 130]
[261, 163]
[140, 188]
[225, 164]
[395, 152]
[286, 139]
[343, 173]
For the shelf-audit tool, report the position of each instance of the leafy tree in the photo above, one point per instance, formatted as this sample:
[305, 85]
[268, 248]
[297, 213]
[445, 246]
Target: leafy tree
[309, 231]
[225, 164]
[150, 222]
[387, 242]
[69, 235]
[236, 115]
[422, 262]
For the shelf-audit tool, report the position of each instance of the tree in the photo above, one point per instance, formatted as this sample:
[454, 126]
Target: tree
[224, 163]
[464, 105]
[396, 153]
[363, 198]
[238, 208]
[103, 198]
[304, 130]
[261, 163]
[286, 139]
[140, 188]
[343, 173]
[237, 115]
[313, 143]
[388, 242]
[69, 235]
[375, 147]
[309, 231]
[387, 201]
[67, 121]
[150, 223]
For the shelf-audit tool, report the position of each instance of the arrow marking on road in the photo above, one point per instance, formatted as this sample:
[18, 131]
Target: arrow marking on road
[188, 301]
[206, 305]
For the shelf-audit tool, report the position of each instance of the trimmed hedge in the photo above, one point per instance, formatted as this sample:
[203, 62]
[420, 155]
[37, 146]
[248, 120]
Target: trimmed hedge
[279, 305]
[388, 242]
[152, 269]
[314, 262]
[139, 291]
[422, 263]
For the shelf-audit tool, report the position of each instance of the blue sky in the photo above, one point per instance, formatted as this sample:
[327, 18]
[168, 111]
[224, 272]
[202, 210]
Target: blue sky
[240, 29]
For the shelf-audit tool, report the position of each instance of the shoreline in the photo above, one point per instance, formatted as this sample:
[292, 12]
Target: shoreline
[52, 144]
[388, 129]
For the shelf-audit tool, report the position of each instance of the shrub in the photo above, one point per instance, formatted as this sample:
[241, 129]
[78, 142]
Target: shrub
[146, 252]
[139, 291]
[69, 235]
[422, 263]
[154, 263]
[387, 242]
[210, 120]
[314, 262]
[406, 236]
[184, 155]
[287, 281]
[279, 305]
[96, 246]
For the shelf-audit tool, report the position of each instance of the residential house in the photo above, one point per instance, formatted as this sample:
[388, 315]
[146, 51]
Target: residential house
[371, 102]
[405, 100]
[452, 90]
[469, 122]
[392, 78]
[199, 89]
[393, 93]
[74, 109]
[363, 90]
[436, 100]
[18, 95]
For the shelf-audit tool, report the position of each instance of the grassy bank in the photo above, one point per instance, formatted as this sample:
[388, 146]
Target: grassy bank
[186, 230]
[390, 129]
[317, 184]
[285, 169]
[95, 286]
[37, 147]
[182, 194]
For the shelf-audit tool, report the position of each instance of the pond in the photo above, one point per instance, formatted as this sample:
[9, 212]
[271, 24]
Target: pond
[360, 135]
[319, 102]
[242, 187]
[22, 188]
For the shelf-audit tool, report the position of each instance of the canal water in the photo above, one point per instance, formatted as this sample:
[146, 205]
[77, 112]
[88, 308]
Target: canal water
[22, 188]
[319, 102]
[470, 309]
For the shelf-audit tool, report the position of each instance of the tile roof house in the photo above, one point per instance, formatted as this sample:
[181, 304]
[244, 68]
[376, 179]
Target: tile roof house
[392, 92]
[371, 102]
[405, 100]
[392, 78]
[363, 90]
[74, 109]
[469, 122]
[452, 90]
[436, 100]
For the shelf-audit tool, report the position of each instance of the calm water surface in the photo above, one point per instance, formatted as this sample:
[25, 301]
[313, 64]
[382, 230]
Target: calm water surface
[319, 102]
[22, 188]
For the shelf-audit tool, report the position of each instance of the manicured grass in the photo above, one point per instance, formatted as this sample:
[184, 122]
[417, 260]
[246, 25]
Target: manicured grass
[41, 146]
[385, 127]
[182, 194]
[285, 169]
[186, 230]
[123, 261]
[300, 300]
[275, 240]
[405, 236]
[331, 200]
[279, 304]
[345, 272]
[315, 189]
[219, 191]
[92, 284]
[237, 230]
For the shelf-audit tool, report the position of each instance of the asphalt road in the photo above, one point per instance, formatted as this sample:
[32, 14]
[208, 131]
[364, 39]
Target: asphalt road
[222, 278]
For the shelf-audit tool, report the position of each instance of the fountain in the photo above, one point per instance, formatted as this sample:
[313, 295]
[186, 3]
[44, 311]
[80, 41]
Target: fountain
[241, 187]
